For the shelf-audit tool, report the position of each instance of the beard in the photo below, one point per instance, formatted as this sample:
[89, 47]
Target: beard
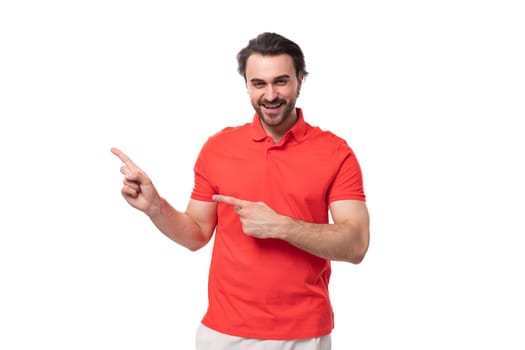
[275, 118]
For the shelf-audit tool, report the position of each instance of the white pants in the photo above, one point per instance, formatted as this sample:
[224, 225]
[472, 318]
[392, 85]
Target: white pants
[208, 339]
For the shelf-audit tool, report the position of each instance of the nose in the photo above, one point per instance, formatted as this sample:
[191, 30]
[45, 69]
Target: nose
[271, 92]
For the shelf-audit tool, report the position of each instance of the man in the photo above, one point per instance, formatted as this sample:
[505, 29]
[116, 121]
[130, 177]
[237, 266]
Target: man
[266, 188]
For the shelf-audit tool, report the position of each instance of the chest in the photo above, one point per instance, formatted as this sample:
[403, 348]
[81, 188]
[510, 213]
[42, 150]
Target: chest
[292, 180]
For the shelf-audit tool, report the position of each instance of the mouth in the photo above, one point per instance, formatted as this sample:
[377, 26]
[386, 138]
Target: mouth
[272, 105]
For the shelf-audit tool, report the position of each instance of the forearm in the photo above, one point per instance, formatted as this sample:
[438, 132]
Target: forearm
[342, 241]
[179, 227]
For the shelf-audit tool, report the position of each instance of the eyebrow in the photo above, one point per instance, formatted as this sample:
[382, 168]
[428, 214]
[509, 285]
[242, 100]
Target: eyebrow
[284, 76]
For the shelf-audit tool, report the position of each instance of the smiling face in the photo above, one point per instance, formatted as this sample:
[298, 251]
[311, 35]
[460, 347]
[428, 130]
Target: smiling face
[273, 87]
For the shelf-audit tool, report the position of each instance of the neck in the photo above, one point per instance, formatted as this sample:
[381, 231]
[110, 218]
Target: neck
[278, 131]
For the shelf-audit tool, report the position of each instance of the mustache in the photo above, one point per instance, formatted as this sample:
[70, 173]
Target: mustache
[273, 102]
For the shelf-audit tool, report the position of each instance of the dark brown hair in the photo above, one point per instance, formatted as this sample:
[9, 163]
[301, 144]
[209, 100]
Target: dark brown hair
[272, 44]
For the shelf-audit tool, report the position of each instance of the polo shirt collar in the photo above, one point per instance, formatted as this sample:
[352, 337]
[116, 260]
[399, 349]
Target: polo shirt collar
[298, 130]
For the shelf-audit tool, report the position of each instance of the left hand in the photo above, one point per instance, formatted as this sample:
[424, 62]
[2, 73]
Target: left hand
[257, 218]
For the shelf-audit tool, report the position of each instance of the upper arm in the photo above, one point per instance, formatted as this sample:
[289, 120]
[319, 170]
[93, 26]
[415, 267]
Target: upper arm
[354, 210]
[355, 214]
[204, 214]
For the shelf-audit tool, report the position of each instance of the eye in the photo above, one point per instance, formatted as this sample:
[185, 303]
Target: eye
[258, 84]
[281, 82]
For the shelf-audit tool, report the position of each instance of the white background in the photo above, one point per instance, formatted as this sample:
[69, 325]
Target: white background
[429, 94]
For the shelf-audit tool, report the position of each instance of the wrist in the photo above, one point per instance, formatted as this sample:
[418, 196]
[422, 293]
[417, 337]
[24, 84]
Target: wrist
[289, 228]
[156, 209]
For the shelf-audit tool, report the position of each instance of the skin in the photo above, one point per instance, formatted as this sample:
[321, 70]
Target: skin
[273, 87]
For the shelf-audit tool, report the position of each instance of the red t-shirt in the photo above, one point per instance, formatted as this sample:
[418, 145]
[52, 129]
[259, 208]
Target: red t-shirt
[267, 288]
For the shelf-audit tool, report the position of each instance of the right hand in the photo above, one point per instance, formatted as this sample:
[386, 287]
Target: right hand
[138, 189]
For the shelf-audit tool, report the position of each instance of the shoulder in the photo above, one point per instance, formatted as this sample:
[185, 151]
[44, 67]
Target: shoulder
[226, 139]
[228, 132]
[327, 139]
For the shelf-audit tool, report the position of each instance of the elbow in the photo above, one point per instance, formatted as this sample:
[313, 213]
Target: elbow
[197, 242]
[196, 245]
[358, 250]
[356, 259]
[194, 248]
[190, 244]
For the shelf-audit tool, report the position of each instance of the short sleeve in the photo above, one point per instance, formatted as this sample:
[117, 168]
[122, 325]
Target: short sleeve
[348, 183]
[202, 189]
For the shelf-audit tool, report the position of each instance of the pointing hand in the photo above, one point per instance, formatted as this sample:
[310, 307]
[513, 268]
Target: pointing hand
[138, 189]
[257, 218]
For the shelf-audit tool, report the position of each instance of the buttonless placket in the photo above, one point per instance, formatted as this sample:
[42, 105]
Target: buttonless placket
[272, 171]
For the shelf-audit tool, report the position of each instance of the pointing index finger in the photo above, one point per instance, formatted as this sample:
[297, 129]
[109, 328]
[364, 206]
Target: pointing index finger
[236, 202]
[124, 158]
